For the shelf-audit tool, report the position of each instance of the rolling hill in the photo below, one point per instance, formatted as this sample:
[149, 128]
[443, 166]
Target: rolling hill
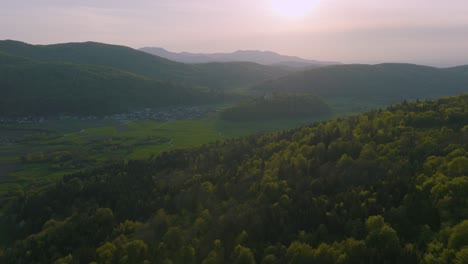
[383, 82]
[459, 69]
[256, 56]
[30, 87]
[213, 75]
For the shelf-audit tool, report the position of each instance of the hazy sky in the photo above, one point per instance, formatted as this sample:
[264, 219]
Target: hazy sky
[420, 31]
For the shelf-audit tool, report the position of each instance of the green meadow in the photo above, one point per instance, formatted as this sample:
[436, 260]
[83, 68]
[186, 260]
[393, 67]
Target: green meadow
[44, 152]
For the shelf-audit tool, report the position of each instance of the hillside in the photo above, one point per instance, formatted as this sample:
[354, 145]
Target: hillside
[383, 82]
[36, 88]
[460, 69]
[256, 56]
[388, 186]
[127, 59]
[277, 106]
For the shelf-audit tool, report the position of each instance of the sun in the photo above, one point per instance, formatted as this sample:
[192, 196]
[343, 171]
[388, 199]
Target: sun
[292, 8]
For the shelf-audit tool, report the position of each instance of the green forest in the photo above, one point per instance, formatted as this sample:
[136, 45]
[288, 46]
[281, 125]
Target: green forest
[385, 83]
[38, 88]
[211, 75]
[386, 186]
[274, 106]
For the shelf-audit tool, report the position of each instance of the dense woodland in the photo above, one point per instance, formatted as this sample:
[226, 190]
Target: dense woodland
[388, 186]
[274, 106]
[387, 83]
[211, 75]
[38, 88]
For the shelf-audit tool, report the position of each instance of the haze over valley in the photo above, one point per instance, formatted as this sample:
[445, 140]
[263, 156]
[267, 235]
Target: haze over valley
[256, 56]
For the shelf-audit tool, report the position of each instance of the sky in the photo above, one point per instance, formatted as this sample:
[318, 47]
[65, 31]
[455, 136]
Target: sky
[431, 32]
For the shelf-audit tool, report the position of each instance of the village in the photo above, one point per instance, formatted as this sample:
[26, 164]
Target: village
[159, 114]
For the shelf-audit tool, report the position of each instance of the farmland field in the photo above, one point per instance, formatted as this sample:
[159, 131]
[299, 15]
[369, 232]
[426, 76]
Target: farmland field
[41, 153]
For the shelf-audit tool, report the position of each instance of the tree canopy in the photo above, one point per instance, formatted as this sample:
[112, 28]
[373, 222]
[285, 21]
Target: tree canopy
[388, 186]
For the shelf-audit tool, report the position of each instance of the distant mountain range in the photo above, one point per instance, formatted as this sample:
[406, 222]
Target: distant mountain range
[90, 77]
[260, 57]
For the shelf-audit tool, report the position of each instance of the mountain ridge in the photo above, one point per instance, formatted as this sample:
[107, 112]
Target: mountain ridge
[231, 75]
[44, 88]
[393, 81]
[257, 56]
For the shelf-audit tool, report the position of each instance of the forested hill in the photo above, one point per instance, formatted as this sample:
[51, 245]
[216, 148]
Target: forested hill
[389, 82]
[276, 107]
[388, 186]
[212, 75]
[33, 88]
[460, 69]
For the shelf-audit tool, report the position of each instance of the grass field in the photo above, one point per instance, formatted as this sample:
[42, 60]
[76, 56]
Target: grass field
[91, 142]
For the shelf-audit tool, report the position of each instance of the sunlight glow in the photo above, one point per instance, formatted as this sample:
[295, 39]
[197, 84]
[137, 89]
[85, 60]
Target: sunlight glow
[292, 8]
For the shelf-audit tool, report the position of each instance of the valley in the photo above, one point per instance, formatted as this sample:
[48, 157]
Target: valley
[71, 144]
